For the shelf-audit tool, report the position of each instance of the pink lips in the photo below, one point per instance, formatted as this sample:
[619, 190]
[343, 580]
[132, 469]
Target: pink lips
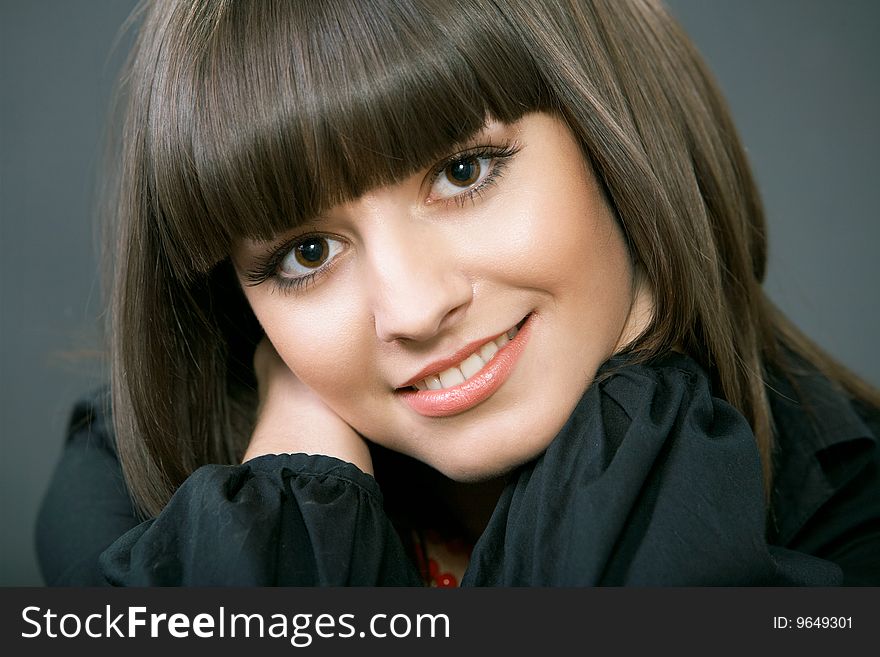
[478, 388]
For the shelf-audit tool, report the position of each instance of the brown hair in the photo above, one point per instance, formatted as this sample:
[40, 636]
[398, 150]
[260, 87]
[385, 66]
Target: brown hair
[244, 118]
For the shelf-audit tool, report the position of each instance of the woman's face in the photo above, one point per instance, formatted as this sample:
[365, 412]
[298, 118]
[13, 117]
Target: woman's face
[396, 308]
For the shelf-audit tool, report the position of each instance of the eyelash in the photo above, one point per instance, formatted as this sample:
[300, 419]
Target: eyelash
[266, 267]
[499, 158]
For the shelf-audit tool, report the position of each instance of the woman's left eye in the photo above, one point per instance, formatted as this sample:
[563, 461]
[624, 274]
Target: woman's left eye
[460, 175]
[466, 175]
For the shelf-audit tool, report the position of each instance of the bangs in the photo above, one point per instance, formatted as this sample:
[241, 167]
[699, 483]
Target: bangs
[265, 113]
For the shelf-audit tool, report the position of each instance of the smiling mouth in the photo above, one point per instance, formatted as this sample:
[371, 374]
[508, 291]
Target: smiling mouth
[473, 380]
[470, 366]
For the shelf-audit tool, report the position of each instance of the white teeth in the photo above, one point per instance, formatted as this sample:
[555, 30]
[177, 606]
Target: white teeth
[451, 377]
[469, 366]
[488, 350]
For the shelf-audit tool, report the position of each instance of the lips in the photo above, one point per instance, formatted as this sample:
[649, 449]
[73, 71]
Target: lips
[461, 372]
[467, 378]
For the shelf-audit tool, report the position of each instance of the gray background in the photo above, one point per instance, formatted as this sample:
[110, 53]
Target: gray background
[801, 77]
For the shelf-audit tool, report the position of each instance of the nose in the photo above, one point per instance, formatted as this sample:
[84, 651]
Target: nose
[419, 286]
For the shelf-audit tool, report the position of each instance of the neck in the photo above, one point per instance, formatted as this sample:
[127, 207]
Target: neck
[471, 504]
[419, 496]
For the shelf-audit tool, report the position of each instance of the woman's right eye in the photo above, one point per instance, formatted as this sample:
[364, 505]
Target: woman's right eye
[308, 256]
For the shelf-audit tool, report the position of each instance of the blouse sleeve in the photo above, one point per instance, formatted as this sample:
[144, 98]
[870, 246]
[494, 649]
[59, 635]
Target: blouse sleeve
[86, 506]
[652, 482]
[288, 520]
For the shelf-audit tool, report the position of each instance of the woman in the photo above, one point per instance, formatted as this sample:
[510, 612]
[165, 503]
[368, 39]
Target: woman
[410, 293]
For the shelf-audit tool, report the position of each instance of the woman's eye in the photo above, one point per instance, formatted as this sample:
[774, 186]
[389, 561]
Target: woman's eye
[309, 255]
[460, 175]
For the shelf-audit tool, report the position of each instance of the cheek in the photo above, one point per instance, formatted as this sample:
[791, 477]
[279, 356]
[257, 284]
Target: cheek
[319, 341]
[561, 238]
[599, 279]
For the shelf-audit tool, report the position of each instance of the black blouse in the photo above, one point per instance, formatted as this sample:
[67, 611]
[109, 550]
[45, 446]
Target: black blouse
[653, 481]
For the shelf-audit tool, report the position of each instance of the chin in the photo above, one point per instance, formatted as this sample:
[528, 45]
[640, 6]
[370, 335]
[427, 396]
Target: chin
[478, 468]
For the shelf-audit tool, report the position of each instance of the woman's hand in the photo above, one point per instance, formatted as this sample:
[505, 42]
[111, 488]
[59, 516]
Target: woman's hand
[291, 418]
